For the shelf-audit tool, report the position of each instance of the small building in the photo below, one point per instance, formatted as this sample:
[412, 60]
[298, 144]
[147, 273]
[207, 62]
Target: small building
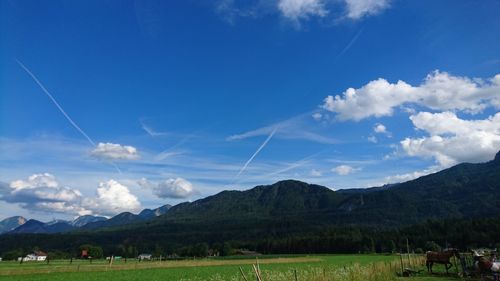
[85, 254]
[35, 256]
[142, 257]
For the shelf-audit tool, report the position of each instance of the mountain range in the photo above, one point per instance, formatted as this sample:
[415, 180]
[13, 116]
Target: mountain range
[19, 224]
[283, 217]
[465, 190]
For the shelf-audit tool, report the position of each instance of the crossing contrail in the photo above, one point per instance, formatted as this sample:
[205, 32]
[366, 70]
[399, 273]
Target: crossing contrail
[61, 109]
[257, 151]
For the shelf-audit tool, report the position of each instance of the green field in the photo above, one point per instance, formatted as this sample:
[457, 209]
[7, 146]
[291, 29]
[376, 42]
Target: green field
[323, 267]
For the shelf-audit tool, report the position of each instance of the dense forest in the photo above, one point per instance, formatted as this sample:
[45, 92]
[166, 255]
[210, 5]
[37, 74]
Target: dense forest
[431, 235]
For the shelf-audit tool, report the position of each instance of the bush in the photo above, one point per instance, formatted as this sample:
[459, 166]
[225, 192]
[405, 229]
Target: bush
[432, 246]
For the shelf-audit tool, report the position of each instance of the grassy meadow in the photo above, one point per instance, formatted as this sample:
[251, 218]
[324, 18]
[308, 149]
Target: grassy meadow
[310, 268]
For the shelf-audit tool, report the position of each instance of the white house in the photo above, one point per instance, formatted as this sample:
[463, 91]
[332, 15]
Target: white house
[36, 256]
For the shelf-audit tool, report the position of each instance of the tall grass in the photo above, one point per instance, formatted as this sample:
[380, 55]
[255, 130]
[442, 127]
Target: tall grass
[378, 271]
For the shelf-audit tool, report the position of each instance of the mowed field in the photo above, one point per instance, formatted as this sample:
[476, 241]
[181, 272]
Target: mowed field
[323, 267]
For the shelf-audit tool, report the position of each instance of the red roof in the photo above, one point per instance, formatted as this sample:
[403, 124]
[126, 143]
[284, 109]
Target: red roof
[40, 253]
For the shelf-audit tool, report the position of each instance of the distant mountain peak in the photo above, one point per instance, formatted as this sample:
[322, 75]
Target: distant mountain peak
[497, 158]
[83, 220]
[11, 223]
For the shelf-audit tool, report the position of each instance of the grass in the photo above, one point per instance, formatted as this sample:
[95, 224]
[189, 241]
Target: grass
[276, 268]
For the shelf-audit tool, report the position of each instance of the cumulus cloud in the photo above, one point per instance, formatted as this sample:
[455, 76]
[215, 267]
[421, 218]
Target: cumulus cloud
[439, 91]
[452, 140]
[343, 170]
[112, 198]
[357, 9]
[114, 151]
[380, 128]
[42, 192]
[169, 188]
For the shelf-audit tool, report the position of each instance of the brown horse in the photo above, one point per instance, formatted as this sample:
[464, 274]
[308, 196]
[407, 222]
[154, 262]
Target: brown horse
[441, 257]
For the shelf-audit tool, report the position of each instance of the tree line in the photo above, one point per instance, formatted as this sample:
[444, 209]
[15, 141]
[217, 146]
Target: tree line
[267, 239]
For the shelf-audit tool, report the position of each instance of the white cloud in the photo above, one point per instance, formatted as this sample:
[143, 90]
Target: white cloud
[379, 128]
[344, 170]
[42, 192]
[316, 173]
[113, 151]
[317, 116]
[302, 9]
[372, 139]
[112, 198]
[357, 9]
[439, 91]
[299, 10]
[452, 140]
[169, 188]
[34, 181]
[411, 176]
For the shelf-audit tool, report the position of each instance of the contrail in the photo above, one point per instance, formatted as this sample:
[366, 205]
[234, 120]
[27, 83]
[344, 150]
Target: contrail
[349, 45]
[56, 103]
[296, 164]
[151, 132]
[166, 151]
[257, 152]
[61, 109]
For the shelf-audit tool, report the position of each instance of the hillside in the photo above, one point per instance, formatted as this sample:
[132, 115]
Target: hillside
[284, 198]
[286, 216]
[465, 190]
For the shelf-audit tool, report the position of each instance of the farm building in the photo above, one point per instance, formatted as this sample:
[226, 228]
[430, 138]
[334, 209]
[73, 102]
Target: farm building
[144, 257]
[35, 256]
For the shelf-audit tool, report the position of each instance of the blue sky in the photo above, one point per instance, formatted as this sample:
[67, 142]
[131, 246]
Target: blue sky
[183, 99]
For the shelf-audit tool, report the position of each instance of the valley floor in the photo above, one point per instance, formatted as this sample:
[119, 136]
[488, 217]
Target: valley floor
[317, 268]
